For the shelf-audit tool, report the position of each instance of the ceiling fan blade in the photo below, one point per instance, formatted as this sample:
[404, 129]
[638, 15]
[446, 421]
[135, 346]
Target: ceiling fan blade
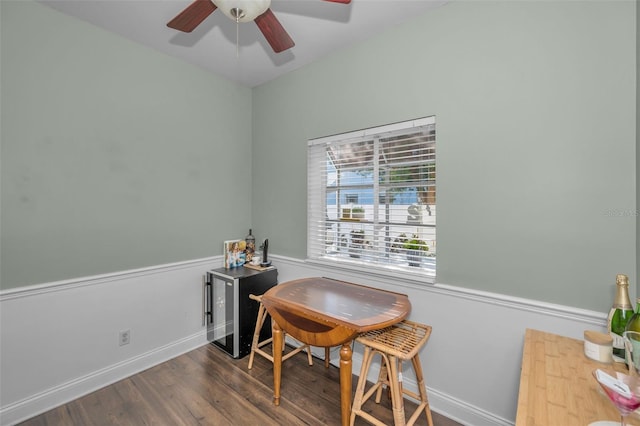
[274, 32]
[192, 16]
[340, 1]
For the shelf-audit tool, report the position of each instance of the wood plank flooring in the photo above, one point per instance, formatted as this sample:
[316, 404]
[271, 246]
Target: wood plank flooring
[207, 387]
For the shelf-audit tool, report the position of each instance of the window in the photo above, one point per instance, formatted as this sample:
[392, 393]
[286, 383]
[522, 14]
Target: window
[351, 198]
[372, 197]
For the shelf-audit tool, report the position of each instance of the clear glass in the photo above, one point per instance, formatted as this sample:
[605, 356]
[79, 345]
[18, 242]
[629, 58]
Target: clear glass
[634, 322]
[624, 404]
[632, 350]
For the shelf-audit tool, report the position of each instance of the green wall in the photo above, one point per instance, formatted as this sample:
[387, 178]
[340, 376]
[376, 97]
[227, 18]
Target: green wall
[535, 106]
[113, 156]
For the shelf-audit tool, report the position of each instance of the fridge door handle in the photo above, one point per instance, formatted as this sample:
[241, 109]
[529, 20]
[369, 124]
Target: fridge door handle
[204, 299]
[207, 316]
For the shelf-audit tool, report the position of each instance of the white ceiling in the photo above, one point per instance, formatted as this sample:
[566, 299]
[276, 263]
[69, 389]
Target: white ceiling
[317, 27]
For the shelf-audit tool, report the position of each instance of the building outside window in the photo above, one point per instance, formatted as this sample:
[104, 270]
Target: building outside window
[372, 197]
[351, 198]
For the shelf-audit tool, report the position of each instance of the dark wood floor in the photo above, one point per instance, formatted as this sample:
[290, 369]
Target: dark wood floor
[207, 387]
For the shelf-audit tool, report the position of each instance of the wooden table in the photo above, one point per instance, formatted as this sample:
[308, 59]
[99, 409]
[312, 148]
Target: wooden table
[324, 312]
[557, 386]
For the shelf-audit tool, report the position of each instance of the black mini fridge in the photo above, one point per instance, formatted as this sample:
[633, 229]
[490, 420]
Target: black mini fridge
[230, 315]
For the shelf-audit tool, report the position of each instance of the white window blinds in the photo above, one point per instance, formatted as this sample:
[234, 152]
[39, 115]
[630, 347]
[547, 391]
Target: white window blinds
[372, 196]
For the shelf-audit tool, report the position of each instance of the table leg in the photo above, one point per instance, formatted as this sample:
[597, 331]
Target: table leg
[276, 346]
[345, 382]
[326, 357]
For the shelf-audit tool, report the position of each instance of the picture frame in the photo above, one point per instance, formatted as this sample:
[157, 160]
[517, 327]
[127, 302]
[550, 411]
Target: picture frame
[234, 253]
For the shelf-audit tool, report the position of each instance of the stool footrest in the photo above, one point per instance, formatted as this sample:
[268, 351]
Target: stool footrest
[286, 355]
[256, 345]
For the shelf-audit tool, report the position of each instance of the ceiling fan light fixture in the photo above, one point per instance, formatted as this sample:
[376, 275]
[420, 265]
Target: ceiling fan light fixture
[239, 11]
[243, 10]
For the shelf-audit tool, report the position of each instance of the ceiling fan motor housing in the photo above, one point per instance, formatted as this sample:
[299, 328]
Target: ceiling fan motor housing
[243, 10]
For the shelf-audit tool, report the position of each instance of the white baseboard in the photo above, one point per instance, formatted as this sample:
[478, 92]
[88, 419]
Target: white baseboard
[162, 307]
[65, 392]
[489, 353]
[440, 402]
[42, 367]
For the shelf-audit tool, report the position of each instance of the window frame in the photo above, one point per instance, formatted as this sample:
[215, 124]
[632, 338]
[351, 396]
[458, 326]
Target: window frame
[317, 201]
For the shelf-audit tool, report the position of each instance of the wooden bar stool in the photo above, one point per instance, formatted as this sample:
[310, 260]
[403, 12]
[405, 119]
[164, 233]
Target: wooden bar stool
[256, 345]
[395, 344]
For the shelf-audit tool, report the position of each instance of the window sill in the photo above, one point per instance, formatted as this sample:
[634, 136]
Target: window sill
[418, 277]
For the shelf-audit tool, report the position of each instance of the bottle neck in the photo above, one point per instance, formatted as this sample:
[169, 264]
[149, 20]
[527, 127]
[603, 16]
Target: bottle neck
[622, 298]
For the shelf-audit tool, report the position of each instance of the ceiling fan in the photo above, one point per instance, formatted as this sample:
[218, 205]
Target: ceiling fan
[239, 11]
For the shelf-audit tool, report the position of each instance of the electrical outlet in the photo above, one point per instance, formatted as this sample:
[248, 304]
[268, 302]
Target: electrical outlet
[125, 337]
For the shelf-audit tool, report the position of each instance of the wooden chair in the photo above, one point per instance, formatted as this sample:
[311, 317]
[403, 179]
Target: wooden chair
[395, 344]
[256, 345]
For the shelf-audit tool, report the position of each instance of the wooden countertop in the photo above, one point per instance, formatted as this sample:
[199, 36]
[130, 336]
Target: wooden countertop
[557, 387]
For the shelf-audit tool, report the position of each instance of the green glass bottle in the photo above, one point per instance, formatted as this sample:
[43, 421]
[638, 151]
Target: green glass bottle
[620, 315]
